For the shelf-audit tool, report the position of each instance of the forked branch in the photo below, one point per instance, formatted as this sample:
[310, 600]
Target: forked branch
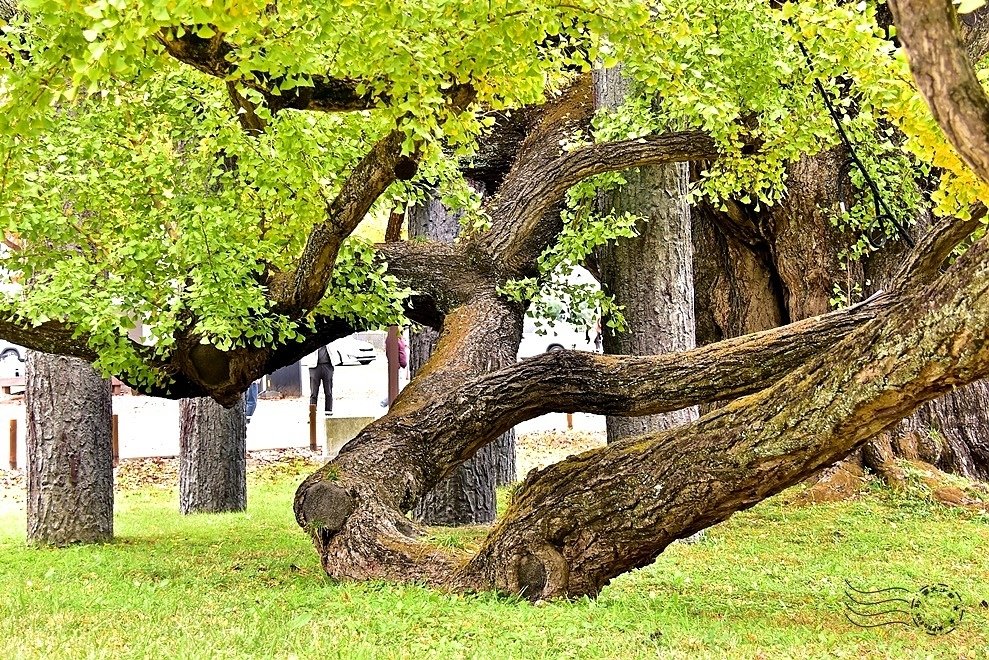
[545, 170]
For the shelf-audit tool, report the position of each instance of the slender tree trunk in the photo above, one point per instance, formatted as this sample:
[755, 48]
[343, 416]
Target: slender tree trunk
[212, 457]
[651, 274]
[466, 497]
[70, 462]
[505, 466]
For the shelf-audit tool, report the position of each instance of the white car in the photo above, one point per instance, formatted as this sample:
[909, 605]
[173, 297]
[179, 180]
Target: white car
[558, 337]
[350, 351]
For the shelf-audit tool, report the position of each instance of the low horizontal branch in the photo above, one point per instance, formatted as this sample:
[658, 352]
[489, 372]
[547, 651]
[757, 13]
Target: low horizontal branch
[469, 415]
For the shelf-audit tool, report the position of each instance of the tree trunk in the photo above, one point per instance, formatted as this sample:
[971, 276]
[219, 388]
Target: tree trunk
[466, 497]
[736, 287]
[650, 275]
[70, 462]
[951, 433]
[212, 457]
[504, 450]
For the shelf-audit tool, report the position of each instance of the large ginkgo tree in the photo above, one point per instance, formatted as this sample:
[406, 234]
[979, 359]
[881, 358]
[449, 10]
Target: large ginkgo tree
[202, 168]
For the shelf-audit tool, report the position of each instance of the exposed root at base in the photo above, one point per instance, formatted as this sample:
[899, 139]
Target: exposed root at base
[910, 478]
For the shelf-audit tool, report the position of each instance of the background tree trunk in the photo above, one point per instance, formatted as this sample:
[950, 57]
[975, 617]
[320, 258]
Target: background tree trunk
[504, 456]
[70, 462]
[466, 497]
[212, 457]
[650, 275]
[956, 430]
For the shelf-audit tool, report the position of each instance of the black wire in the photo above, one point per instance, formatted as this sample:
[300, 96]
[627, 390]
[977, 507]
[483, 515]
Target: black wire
[882, 211]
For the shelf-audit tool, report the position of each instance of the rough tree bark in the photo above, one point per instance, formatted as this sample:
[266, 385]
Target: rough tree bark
[651, 274]
[466, 497]
[212, 457]
[791, 264]
[792, 259]
[951, 433]
[736, 286]
[70, 462]
[651, 490]
[589, 518]
[948, 433]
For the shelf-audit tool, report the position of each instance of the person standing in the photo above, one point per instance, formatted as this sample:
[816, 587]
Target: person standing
[251, 400]
[320, 371]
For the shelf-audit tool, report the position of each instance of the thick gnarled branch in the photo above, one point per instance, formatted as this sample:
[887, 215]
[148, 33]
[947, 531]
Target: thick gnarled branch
[558, 121]
[191, 369]
[540, 178]
[48, 337]
[911, 351]
[577, 524]
[299, 291]
[945, 76]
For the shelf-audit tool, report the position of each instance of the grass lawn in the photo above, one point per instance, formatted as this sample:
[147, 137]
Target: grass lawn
[768, 583]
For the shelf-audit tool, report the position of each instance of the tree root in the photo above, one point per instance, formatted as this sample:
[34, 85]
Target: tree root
[358, 537]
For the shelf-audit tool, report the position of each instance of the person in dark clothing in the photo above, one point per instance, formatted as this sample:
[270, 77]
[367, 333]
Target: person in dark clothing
[320, 371]
[251, 400]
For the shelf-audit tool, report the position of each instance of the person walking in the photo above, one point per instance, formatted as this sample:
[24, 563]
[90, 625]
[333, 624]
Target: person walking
[320, 371]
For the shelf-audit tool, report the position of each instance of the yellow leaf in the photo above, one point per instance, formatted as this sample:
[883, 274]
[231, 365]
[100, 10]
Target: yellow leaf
[966, 6]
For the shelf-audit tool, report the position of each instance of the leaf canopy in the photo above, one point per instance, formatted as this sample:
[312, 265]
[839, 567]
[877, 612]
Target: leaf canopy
[129, 189]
